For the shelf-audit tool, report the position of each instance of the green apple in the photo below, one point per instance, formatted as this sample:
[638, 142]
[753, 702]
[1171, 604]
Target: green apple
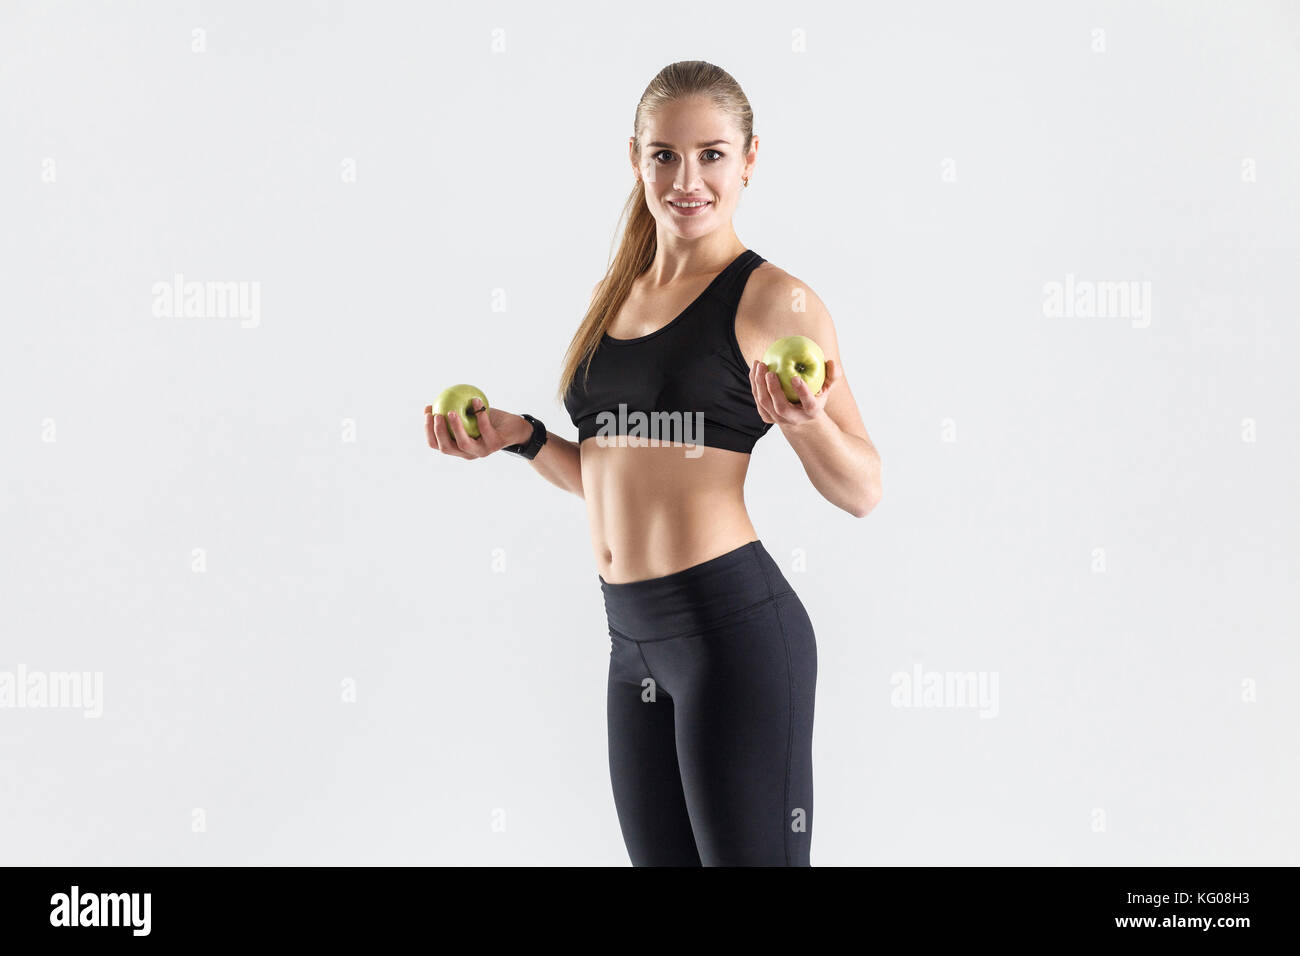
[796, 355]
[460, 399]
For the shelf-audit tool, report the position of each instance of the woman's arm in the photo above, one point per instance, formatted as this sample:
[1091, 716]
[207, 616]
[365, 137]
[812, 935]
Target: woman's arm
[558, 461]
[826, 430]
[843, 467]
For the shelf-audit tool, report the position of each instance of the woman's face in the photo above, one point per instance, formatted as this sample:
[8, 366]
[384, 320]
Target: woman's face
[691, 151]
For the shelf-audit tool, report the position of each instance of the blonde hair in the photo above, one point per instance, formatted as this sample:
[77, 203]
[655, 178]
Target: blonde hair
[677, 81]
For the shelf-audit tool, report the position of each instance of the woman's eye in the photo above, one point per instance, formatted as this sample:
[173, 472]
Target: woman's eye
[669, 152]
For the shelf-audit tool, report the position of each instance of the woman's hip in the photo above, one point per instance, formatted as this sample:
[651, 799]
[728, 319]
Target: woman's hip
[698, 598]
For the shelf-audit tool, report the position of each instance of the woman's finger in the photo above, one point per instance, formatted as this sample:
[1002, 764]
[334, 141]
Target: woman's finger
[446, 444]
[491, 440]
[810, 405]
[469, 446]
[772, 382]
[798, 411]
[832, 374]
[755, 374]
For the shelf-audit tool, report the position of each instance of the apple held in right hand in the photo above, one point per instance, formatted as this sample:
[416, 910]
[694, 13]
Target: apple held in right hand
[460, 399]
[796, 355]
[455, 427]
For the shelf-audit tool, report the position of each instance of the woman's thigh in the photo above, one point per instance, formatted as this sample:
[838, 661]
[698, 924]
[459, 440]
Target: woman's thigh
[643, 766]
[743, 695]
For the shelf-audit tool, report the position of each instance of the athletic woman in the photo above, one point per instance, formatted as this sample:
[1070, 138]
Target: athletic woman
[713, 660]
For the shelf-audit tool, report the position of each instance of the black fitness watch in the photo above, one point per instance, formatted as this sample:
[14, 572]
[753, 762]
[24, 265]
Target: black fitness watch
[530, 448]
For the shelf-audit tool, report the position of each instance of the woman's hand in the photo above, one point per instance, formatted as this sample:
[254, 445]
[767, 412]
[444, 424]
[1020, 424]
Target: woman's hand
[775, 408]
[447, 432]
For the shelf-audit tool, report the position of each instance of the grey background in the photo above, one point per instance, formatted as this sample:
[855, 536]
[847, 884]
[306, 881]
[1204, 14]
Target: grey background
[482, 690]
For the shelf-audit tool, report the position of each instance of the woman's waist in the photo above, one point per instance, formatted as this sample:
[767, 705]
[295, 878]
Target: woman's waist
[660, 530]
[708, 593]
[631, 552]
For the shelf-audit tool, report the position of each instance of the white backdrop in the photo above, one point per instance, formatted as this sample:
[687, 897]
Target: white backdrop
[317, 641]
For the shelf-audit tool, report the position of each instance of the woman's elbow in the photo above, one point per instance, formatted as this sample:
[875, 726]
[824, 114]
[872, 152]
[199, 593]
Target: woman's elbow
[869, 502]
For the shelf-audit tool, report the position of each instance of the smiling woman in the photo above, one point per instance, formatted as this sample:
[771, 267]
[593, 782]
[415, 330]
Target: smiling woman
[713, 660]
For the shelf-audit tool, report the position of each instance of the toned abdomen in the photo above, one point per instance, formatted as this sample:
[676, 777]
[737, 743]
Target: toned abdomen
[655, 511]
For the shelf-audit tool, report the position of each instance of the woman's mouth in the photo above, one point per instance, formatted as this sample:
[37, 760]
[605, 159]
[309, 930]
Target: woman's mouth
[693, 208]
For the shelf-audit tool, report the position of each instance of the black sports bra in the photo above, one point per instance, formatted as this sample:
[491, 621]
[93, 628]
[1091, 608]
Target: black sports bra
[685, 383]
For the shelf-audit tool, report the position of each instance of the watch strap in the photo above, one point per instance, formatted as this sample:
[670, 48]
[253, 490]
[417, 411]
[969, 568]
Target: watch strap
[530, 448]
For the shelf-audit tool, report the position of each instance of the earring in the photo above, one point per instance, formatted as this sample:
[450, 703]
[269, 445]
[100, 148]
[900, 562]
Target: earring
[745, 180]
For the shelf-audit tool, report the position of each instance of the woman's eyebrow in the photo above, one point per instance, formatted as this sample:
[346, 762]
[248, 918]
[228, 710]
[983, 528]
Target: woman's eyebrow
[716, 142]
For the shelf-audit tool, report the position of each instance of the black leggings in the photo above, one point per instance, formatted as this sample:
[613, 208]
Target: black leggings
[712, 672]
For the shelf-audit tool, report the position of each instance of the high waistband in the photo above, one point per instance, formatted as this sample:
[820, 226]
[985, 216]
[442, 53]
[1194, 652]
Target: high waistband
[696, 598]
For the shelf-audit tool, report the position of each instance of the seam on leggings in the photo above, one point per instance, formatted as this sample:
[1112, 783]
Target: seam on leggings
[767, 579]
[619, 634]
[789, 736]
[640, 650]
[712, 627]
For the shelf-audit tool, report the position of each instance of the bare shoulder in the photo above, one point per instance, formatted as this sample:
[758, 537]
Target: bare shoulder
[776, 304]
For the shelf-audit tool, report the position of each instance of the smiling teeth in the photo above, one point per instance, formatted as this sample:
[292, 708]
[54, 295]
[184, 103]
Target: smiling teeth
[688, 205]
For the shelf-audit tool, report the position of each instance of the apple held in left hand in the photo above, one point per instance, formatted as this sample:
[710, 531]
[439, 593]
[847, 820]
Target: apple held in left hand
[796, 356]
[781, 382]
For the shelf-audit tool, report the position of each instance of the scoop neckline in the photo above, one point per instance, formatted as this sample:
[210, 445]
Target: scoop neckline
[694, 302]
